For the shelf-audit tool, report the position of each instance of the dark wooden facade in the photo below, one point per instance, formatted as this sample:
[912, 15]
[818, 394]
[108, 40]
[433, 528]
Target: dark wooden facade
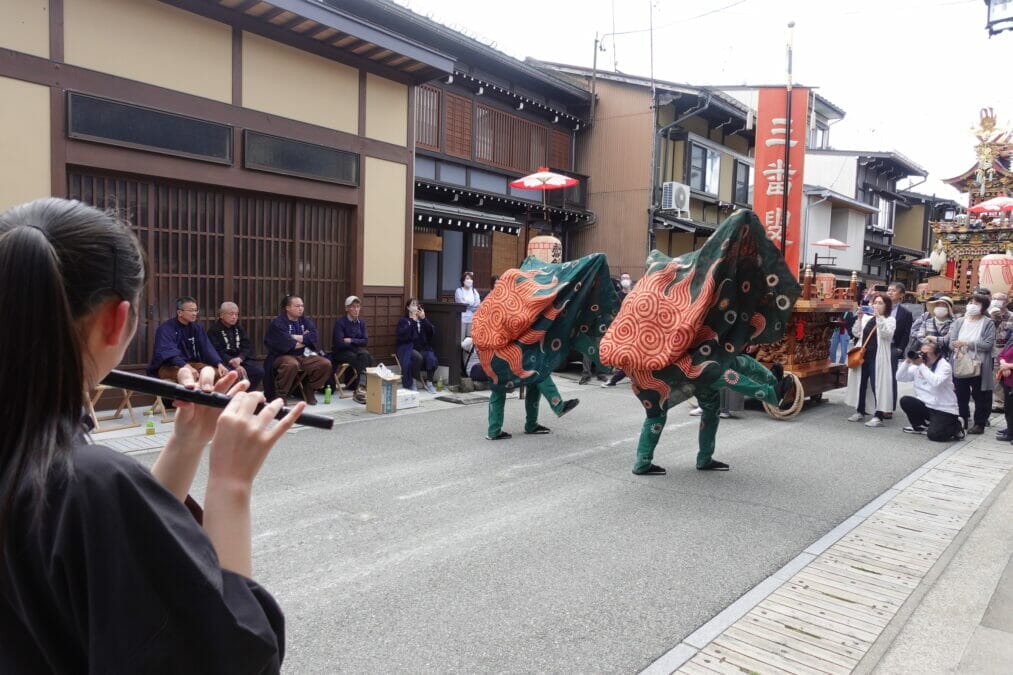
[226, 230]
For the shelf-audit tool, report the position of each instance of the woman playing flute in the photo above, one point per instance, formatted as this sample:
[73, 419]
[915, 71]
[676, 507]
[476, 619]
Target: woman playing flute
[102, 567]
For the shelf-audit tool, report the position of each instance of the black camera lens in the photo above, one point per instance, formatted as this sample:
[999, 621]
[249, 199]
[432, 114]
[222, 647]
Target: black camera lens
[912, 354]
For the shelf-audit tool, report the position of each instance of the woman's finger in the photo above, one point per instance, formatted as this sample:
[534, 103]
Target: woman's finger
[226, 381]
[251, 399]
[207, 378]
[285, 423]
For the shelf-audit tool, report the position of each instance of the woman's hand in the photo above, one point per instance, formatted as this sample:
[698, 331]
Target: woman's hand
[195, 424]
[243, 438]
[241, 443]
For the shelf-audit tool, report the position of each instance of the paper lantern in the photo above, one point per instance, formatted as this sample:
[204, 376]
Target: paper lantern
[995, 272]
[546, 248]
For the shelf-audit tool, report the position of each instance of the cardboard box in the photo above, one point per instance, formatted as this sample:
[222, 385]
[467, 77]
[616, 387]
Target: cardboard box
[406, 398]
[381, 396]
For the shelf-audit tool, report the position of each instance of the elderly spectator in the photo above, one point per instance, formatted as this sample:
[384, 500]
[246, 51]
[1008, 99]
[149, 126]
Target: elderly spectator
[970, 343]
[233, 345]
[414, 335]
[933, 409]
[349, 340]
[938, 319]
[875, 378]
[293, 353]
[183, 343]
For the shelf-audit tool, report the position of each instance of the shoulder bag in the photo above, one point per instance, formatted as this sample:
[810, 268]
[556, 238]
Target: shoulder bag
[856, 355]
[966, 363]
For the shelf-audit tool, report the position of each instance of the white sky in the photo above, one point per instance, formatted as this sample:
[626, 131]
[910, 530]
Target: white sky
[911, 75]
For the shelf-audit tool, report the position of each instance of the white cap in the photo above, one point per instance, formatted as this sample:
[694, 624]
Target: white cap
[352, 298]
[466, 344]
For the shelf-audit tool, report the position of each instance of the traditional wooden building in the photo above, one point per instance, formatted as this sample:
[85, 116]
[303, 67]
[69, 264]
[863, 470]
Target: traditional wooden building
[258, 147]
[647, 134]
[870, 179]
[492, 120]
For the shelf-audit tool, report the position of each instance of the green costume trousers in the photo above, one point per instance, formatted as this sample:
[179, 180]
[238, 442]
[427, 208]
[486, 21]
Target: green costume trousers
[749, 378]
[532, 396]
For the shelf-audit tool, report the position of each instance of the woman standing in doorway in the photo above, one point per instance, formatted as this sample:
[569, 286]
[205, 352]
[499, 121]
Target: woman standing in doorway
[467, 295]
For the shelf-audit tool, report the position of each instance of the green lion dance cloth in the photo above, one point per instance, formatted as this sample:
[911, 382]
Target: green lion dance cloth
[531, 320]
[681, 332]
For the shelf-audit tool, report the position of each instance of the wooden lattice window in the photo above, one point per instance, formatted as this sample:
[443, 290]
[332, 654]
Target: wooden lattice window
[509, 141]
[218, 245]
[458, 126]
[427, 117]
[559, 150]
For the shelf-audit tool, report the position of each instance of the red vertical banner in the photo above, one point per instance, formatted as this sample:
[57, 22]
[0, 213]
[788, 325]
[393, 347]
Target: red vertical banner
[774, 177]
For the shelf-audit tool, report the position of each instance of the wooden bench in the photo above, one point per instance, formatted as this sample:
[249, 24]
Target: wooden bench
[124, 405]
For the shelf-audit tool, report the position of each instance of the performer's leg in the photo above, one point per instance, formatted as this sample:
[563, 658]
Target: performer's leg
[709, 400]
[531, 401]
[650, 434]
[752, 380]
[548, 389]
[496, 403]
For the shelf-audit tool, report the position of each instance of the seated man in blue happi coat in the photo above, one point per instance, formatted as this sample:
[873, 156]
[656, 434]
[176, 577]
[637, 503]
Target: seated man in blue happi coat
[183, 343]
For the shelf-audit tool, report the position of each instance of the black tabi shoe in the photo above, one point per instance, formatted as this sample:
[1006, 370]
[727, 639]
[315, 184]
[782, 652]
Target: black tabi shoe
[778, 370]
[539, 429]
[652, 470]
[714, 465]
[1001, 431]
[584, 379]
[569, 405]
[501, 436]
[1003, 437]
[976, 429]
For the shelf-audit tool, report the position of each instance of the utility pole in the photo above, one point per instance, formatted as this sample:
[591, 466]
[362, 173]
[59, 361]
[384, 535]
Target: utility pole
[787, 145]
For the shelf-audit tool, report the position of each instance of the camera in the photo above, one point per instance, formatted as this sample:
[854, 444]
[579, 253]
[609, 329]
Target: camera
[913, 354]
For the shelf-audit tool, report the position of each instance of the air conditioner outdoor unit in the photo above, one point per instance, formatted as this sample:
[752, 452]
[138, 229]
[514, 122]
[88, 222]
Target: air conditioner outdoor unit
[674, 196]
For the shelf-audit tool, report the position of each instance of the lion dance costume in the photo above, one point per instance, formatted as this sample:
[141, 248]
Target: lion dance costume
[682, 330]
[531, 320]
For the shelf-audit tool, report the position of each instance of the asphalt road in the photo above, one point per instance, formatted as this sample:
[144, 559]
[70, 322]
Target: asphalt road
[411, 543]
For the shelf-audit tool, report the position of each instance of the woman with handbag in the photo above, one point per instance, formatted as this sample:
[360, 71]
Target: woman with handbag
[873, 376]
[970, 343]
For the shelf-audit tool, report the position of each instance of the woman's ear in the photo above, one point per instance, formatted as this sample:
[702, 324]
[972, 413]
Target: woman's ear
[114, 321]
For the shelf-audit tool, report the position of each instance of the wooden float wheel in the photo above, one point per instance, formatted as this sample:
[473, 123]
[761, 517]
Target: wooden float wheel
[779, 412]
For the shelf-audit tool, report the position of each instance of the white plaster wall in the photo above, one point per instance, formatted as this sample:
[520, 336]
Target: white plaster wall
[837, 172]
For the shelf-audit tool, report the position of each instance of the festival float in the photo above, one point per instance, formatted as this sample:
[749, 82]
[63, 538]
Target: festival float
[976, 249]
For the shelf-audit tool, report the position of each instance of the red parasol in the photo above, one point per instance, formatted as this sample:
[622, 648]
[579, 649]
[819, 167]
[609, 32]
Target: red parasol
[994, 205]
[543, 179]
[831, 243]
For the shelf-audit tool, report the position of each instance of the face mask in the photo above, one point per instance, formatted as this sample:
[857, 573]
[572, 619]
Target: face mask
[973, 310]
[940, 312]
[468, 283]
[625, 283]
[413, 308]
[997, 304]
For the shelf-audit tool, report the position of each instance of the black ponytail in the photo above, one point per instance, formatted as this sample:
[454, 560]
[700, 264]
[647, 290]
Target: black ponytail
[59, 260]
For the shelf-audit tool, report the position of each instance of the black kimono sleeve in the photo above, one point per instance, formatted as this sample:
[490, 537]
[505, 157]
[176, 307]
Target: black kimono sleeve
[119, 578]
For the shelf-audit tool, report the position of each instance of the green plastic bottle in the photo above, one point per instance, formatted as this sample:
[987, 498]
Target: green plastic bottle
[149, 428]
[327, 394]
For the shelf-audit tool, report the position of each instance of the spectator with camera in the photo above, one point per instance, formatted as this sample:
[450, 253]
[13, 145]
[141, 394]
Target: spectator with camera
[933, 409]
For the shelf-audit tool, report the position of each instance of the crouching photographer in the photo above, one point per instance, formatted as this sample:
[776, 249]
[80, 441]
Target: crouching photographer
[933, 409]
